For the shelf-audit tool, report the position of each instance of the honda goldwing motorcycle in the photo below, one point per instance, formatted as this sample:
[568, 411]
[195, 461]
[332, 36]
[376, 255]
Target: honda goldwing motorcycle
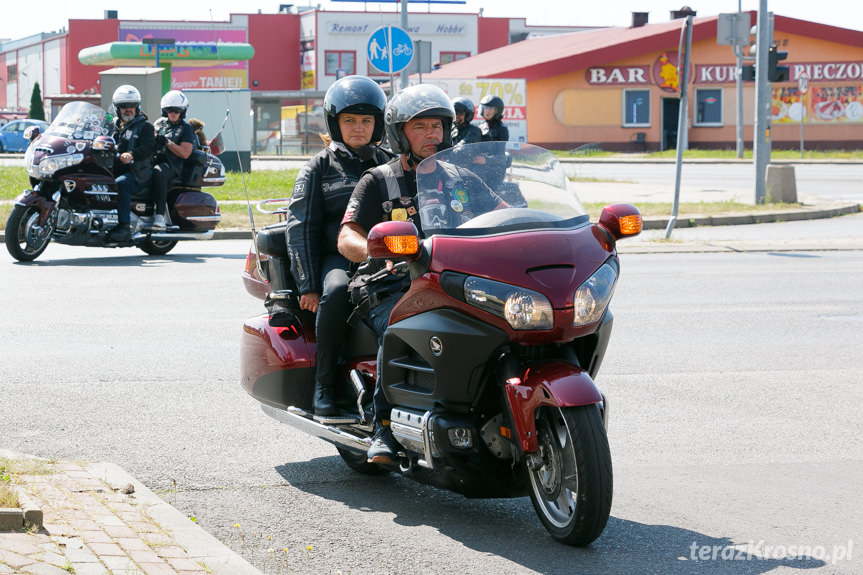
[74, 200]
[489, 359]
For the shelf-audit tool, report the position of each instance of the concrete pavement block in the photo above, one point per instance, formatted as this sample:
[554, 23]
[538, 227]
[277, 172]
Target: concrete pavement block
[781, 185]
[11, 519]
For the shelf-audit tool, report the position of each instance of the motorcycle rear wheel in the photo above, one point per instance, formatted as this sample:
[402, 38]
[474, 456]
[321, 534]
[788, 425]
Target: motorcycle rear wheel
[25, 243]
[157, 247]
[571, 488]
[357, 462]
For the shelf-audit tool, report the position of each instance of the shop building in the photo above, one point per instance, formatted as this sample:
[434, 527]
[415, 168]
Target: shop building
[305, 51]
[618, 87]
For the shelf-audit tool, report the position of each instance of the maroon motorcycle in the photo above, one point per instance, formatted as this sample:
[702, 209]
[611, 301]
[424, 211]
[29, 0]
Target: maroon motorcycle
[73, 199]
[489, 359]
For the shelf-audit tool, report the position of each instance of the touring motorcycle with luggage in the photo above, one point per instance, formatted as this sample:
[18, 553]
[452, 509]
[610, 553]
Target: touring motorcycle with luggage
[73, 199]
[490, 358]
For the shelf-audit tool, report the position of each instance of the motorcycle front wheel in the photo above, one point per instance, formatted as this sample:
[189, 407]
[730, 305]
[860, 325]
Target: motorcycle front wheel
[570, 476]
[157, 247]
[25, 238]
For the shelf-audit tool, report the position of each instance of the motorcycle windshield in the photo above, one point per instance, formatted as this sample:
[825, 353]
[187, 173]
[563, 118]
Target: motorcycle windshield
[80, 121]
[493, 187]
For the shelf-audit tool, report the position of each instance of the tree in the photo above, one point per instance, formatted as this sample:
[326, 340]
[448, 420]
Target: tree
[37, 111]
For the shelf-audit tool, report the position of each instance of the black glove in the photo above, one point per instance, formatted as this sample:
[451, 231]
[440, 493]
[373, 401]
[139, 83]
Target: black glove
[161, 141]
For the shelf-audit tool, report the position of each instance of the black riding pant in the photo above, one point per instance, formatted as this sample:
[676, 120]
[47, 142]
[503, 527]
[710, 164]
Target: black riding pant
[331, 320]
[162, 175]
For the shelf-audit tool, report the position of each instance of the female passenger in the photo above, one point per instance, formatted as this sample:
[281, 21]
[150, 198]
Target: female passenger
[354, 109]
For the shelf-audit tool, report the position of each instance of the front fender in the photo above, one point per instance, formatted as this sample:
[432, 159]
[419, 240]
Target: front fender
[44, 205]
[556, 384]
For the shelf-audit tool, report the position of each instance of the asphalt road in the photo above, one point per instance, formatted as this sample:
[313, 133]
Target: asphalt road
[735, 417]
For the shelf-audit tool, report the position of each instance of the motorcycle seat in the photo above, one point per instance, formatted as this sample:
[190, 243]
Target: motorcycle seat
[145, 194]
[272, 241]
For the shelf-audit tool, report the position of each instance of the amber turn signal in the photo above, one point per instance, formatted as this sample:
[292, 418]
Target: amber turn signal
[402, 245]
[630, 225]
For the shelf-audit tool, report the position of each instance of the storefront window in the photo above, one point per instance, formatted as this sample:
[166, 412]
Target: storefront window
[636, 107]
[708, 110]
[447, 57]
[344, 60]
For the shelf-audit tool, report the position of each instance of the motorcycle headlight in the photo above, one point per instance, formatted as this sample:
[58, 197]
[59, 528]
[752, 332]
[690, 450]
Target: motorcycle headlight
[522, 308]
[51, 164]
[592, 297]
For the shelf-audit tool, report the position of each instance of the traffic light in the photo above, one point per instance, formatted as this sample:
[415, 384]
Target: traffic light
[776, 73]
[747, 73]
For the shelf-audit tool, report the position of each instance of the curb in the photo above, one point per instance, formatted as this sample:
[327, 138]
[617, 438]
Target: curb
[660, 222]
[199, 544]
[815, 213]
[17, 517]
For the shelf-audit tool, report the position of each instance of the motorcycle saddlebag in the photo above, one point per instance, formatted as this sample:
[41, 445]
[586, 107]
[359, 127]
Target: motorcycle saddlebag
[197, 211]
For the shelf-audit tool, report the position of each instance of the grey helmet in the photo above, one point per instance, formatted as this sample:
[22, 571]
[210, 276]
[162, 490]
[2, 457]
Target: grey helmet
[419, 101]
[126, 94]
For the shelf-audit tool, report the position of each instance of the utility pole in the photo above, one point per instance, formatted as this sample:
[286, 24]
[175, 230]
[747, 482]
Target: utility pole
[404, 25]
[738, 51]
[764, 37]
[682, 136]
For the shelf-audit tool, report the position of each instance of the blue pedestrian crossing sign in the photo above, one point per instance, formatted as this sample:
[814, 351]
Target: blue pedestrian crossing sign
[390, 49]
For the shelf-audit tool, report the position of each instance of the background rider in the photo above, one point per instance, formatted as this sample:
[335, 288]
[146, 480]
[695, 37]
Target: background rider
[175, 142]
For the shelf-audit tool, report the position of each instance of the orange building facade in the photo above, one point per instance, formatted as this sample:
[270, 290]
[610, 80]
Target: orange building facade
[619, 87]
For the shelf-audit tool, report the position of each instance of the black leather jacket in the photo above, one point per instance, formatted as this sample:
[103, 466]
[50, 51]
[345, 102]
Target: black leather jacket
[321, 193]
[494, 131]
[138, 138]
[467, 134]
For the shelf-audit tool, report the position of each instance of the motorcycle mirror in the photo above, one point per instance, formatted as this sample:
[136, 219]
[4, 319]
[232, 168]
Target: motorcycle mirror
[621, 220]
[32, 133]
[396, 240]
[104, 143]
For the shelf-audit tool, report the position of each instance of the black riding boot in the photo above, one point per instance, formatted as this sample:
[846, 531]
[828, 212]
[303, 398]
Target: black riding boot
[324, 401]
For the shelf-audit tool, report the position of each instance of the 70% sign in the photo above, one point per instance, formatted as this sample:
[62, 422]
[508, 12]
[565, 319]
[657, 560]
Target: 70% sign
[505, 90]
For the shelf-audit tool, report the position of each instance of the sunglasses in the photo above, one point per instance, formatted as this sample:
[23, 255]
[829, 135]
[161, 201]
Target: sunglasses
[127, 106]
[173, 110]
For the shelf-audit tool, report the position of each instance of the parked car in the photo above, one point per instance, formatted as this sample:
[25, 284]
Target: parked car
[12, 134]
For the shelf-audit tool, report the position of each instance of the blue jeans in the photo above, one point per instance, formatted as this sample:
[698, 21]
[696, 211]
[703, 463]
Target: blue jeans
[127, 187]
[378, 319]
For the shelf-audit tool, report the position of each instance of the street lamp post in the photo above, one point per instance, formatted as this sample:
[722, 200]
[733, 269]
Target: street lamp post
[157, 44]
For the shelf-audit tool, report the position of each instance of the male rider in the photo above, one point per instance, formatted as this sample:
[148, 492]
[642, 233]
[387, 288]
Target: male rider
[465, 132]
[418, 123]
[136, 140]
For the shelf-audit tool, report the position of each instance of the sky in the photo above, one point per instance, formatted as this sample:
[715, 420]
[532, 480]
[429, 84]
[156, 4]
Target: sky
[23, 18]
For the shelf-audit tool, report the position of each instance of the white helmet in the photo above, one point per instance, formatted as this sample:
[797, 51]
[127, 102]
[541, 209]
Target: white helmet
[126, 94]
[175, 99]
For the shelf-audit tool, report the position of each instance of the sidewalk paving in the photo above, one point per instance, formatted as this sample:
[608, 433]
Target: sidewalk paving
[96, 519]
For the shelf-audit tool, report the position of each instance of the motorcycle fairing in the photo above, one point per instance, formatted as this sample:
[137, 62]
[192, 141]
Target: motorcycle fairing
[437, 358]
[553, 383]
[31, 198]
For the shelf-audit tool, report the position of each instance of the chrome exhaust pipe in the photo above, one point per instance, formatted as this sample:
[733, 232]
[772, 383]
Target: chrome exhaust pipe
[292, 416]
[174, 236]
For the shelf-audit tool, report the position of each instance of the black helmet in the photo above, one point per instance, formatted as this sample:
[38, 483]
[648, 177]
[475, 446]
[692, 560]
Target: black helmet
[463, 105]
[495, 102]
[419, 101]
[355, 95]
